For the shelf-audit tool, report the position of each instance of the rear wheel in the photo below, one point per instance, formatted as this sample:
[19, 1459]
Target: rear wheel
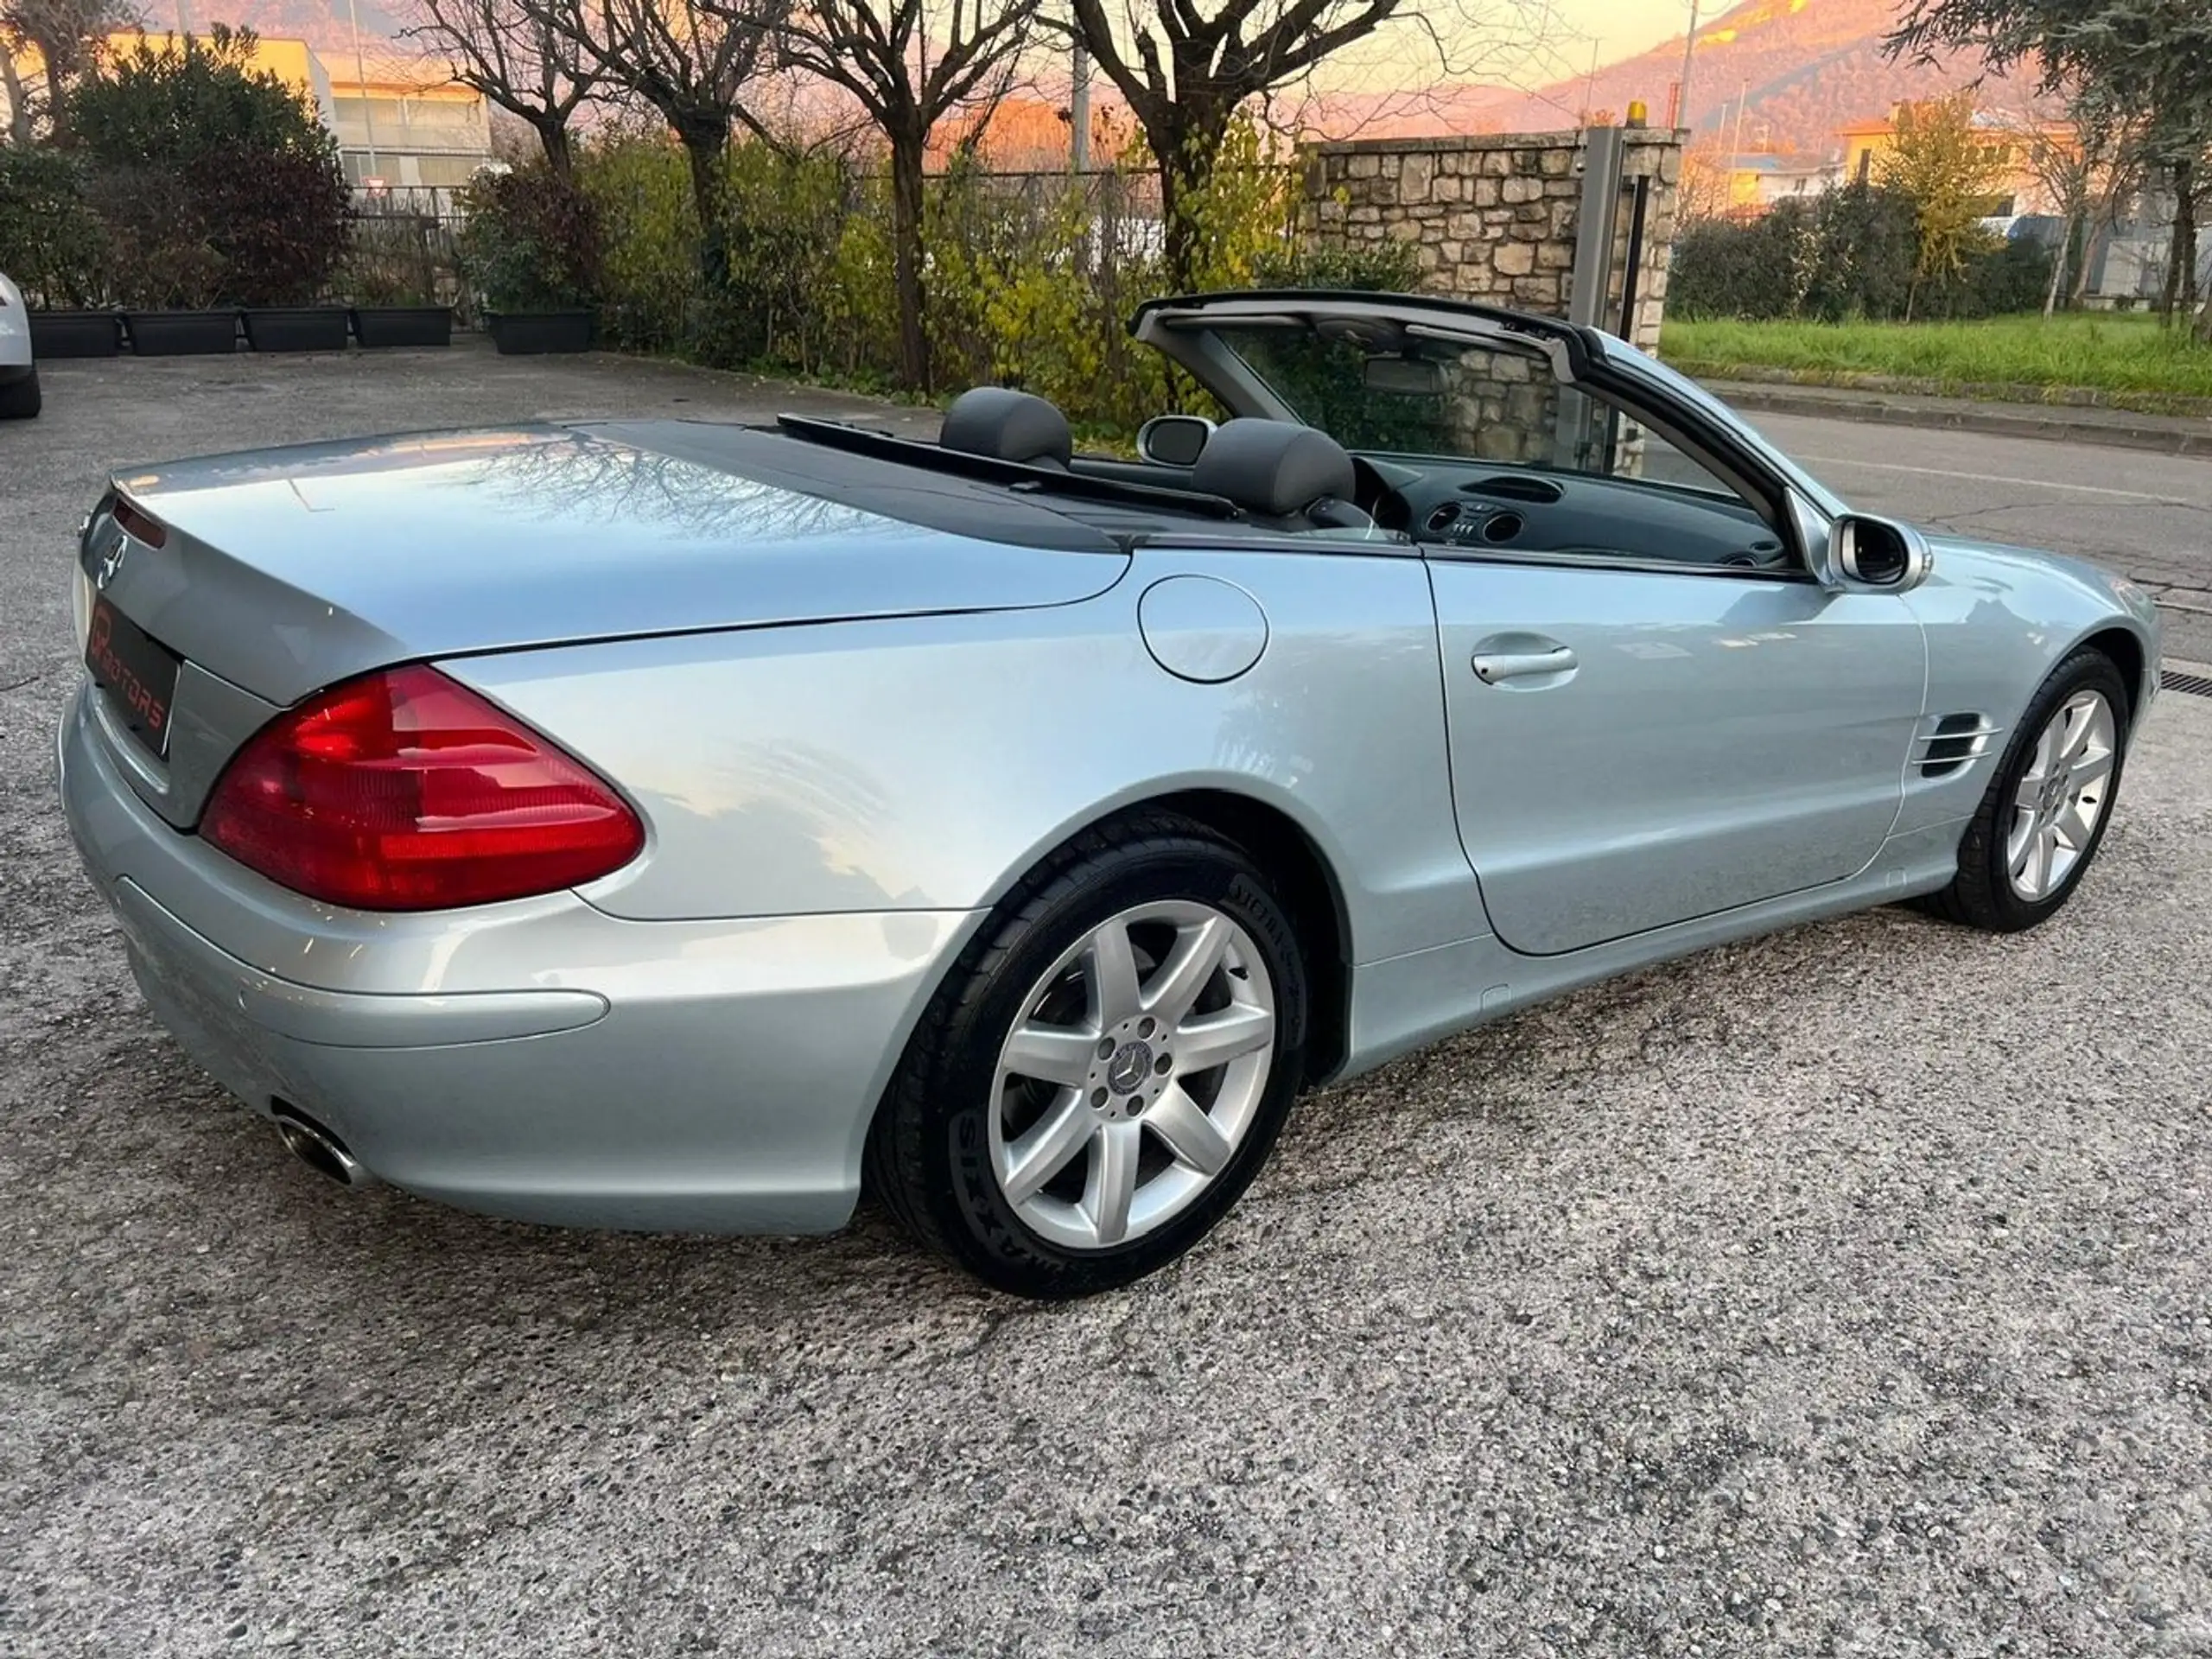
[19, 399]
[1106, 1071]
[2046, 810]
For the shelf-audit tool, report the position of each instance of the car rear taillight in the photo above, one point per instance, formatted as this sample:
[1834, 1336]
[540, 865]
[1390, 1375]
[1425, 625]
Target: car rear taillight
[140, 523]
[404, 791]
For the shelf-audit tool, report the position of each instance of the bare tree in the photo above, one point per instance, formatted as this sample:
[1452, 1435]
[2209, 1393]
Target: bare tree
[20, 130]
[696, 62]
[517, 59]
[68, 36]
[2087, 168]
[909, 64]
[1185, 67]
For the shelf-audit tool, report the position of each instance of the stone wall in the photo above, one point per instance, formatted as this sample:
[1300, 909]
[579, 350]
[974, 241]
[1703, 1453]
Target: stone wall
[1494, 217]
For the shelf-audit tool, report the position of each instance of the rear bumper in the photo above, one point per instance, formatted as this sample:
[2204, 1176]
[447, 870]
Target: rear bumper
[541, 1059]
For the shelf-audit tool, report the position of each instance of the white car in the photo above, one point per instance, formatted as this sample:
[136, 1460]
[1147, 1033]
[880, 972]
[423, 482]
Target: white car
[19, 395]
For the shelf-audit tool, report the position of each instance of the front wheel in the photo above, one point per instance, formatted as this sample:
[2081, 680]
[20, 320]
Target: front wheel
[1105, 1071]
[2046, 810]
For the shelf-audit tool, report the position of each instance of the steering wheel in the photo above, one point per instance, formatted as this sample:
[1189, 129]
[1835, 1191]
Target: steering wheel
[1376, 491]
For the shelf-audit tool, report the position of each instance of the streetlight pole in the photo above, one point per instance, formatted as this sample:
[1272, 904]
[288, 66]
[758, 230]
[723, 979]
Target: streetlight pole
[361, 76]
[1689, 46]
[1736, 159]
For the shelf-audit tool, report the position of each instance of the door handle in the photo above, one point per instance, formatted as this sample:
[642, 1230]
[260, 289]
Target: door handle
[1491, 666]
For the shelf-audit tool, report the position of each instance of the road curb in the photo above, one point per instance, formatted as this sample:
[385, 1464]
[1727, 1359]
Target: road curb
[2163, 437]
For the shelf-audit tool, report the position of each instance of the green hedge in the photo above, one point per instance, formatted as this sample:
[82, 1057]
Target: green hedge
[1847, 256]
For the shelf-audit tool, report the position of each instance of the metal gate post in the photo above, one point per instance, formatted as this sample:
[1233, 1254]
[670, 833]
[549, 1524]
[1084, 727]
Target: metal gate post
[1597, 222]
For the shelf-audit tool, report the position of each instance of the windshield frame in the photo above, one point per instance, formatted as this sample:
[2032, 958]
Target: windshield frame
[1186, 330]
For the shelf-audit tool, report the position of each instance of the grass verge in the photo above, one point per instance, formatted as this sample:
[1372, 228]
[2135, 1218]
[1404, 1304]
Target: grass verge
[2127, 360]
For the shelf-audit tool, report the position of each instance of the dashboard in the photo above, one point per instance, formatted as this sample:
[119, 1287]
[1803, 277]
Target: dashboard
[1480, 506]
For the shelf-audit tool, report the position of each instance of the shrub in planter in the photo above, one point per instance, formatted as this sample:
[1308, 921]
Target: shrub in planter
[531, 247]
[296, 327]
[217, 185]
[52, 242]
[393, 271]
[381, 327]
[533, 333]
[75, 334]
[55, 248]
[278, 222]
[165, 271]
[179, 333]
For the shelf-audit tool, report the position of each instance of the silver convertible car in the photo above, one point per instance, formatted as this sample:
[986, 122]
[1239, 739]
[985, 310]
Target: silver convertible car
[683, 826]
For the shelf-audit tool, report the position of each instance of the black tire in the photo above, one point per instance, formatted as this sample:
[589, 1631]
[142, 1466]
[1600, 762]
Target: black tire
[1981, 894]
[19, 399]
[929, 1160]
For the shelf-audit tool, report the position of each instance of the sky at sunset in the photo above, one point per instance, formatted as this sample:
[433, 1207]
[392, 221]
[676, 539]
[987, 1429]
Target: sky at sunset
[1623, 28]
[1523, 43]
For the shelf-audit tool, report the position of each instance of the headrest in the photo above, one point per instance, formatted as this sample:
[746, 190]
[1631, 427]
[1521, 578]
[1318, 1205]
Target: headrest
[1273, 467]
[1010, 425]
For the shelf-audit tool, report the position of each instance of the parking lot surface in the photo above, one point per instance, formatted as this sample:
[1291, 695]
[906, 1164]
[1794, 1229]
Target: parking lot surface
[1845, 1291]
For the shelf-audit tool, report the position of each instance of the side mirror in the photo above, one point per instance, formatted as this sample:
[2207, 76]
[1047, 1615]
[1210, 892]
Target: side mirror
[1174, 440]
[1881, 553]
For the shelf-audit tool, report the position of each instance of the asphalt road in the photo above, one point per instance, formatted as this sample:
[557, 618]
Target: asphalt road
[1847, 1292]
[2147, 516]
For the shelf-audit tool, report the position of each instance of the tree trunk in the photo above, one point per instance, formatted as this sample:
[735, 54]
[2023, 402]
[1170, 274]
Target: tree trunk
[1181, 236]
[706, 141]
[2180, 257]
[2185, 236]
[906, 155]
[2079, 296]
[1187, 164]
[553, 137]
[61, 53]
[19, 111]
[2058, 270]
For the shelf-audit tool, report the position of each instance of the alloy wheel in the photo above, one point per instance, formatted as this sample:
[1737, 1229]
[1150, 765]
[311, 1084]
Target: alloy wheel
[1138, 1063]
[2060, 795]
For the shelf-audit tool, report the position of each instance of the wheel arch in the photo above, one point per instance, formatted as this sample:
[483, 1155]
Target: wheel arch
[1288, 853]
[2130, 657]
[1281, 847]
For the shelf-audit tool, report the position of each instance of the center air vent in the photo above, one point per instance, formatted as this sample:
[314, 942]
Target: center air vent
[1444, 518]
[1502, 527]
[1541, 490]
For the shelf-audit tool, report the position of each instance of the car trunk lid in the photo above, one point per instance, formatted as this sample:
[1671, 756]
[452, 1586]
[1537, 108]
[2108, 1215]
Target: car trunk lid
[280, 572]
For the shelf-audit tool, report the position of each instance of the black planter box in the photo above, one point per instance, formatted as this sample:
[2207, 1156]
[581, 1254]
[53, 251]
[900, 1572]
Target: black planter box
[518, 333]
[296, 327]
[402, 324]
[178, 334]
[75, 334]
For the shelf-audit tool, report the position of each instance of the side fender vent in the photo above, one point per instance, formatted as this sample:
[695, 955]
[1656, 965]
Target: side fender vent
[1956, 741]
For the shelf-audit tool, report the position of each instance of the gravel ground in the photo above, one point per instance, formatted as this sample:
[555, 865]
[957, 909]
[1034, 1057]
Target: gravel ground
[1841, 1293]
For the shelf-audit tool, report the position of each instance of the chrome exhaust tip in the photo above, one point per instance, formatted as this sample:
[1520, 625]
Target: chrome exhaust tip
[318, 1148]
